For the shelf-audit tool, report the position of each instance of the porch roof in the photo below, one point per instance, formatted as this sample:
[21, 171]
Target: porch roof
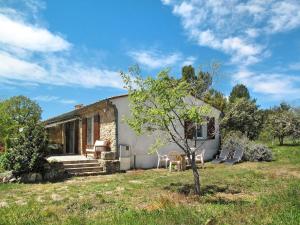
[75, 114]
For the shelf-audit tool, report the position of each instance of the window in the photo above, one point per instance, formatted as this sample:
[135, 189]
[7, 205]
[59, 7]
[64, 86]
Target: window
[193, 130]
[199, 131]
[90, 132]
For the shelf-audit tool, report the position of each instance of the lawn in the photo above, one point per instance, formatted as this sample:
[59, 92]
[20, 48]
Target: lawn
[248, 193]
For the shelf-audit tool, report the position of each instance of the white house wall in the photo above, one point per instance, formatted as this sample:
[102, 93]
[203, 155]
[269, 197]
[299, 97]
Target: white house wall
[140, 144]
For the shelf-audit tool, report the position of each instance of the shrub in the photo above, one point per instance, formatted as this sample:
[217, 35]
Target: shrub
[27, 151]
[252, 150]
[257, 152]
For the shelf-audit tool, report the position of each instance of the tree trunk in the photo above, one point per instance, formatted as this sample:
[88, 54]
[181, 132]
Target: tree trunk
[196, 175]
[280, 140]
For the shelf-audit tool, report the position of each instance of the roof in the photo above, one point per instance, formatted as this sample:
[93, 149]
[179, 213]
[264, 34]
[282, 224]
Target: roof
[76, 112]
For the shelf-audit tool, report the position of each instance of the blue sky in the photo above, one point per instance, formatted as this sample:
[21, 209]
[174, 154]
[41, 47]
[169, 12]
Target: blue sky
[62, 53]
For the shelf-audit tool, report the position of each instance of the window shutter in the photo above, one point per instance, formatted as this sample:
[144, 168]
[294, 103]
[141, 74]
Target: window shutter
[84, 135]
[211, 128]
[189, 130]
[96, 127]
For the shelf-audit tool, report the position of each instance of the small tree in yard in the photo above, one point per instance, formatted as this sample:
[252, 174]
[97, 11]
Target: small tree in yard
[243, 115]
[15, 113]
[27, 150]
[283, 122]
[164, 107]
[24, 135]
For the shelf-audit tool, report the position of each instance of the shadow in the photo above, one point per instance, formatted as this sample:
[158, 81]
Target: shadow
[224, 201]
[188, 189]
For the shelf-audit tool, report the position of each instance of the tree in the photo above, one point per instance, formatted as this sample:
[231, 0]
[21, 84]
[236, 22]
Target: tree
[198, 84]
[27, 150]
[239, 91]
[165, 108]
[188, 73]
[15, 113]
[243, 115]
[283, 122]
[216, 99]
[23, 134]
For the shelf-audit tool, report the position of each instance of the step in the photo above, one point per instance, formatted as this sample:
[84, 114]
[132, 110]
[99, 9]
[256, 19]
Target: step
[80, 161]
[84, 169]
[74, 165]
[87, 173]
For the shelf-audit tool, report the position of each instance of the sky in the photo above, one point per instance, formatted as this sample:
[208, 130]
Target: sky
[63, 53]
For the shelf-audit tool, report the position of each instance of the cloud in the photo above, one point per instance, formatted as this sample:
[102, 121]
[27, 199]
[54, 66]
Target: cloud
[50, 98]
[276, 85]
[189, 61]
[285, 15]
[57, 71]
[241, 30]
[294, 66]
[30, 54]
[27, 36]
[154, 59]
[236, 27]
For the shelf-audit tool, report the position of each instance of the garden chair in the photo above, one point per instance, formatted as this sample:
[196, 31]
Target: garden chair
[237, 156]
[200, 157]
[175, 159]
[162, 158]
[222, 157]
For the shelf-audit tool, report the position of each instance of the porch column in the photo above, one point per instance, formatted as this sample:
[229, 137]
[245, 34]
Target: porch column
[84, 135]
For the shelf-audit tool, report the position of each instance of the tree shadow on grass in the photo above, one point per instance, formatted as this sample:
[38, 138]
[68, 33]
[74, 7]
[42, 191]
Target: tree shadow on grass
[188, 189]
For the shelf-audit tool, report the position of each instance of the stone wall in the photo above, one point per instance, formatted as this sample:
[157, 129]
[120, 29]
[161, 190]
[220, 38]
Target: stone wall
[53, 171]
[107, 122]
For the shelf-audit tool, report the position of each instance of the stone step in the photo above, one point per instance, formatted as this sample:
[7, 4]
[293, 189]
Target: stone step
[80, 161]
[74, 165]
[87, 173]
[84, 169]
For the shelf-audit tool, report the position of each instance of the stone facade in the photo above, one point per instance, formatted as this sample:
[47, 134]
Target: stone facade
[110, 166]
[107, 127]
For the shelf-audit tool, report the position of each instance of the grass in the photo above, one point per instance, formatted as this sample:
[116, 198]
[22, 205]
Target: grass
[247, 193]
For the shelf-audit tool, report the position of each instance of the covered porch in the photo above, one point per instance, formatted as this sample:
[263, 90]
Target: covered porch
[64, 136]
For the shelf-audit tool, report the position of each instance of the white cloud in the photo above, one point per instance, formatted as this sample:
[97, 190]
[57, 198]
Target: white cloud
[241, 29]
[33, 55]
[57, 72]
[166, 2]
[285, 15]
[50, 98]
[275, 85]
[189, 61]
[154, 59]
[294, 66]
[29, 37]
[234, 27]
[14, 68]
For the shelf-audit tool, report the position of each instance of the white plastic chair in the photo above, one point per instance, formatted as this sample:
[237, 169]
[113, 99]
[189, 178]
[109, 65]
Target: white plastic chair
[175, 158]
[200, 157]
[162, 158]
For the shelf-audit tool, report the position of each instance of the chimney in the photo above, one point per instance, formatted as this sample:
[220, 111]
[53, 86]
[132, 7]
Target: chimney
[79, 106]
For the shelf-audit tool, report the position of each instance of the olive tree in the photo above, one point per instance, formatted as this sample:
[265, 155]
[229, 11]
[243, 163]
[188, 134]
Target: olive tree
[283, 122]
[163, 107]
[243, 115]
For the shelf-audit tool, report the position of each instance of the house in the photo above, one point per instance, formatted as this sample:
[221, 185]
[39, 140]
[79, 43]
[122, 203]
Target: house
[75, 132]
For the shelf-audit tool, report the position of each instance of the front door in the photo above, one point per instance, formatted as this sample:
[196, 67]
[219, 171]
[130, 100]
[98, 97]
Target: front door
[70, 137]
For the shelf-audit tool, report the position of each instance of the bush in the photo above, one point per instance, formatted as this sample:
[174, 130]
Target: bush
[252, 150]
[27, 151]
[257, 152]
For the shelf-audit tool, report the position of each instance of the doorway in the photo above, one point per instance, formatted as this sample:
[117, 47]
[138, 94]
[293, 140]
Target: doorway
[70, 137]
